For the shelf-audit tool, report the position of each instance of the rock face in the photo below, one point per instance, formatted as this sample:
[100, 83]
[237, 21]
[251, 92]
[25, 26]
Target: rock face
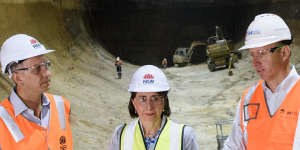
[88, 34]
[146, 31]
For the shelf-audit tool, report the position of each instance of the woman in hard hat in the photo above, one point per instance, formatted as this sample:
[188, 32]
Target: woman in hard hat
[152, 130]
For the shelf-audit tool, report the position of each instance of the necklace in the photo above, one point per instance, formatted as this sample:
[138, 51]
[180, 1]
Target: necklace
[151, 139]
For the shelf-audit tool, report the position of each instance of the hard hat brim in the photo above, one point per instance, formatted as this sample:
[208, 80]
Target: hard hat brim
[149, 90]
[261, 44]
[38, 53]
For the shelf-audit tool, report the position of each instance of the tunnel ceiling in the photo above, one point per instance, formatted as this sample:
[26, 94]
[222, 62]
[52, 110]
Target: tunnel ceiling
[146, 31]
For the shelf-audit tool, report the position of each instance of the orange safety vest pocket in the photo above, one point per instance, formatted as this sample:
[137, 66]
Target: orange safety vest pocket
[251, 111]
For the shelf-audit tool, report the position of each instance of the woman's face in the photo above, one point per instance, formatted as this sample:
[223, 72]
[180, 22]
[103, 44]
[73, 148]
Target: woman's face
[148, 105]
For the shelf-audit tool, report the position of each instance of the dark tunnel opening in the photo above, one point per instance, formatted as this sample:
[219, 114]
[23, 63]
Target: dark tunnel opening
[144, 32]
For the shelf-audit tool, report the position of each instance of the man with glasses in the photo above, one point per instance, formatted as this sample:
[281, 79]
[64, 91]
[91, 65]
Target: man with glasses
[29, 117]
[268, 112]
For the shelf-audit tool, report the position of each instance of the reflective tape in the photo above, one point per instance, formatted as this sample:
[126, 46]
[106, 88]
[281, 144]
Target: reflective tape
[296, 145]
[11, 125]
[175, 134]
[129, 135]
[60, 106]
[246, 101]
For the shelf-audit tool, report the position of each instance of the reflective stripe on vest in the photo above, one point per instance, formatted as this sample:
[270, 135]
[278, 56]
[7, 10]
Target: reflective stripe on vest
[61, 111]
[15, 130]
[245, 100]
[127, 139]
[280, 131]
[296, 145]
[169, 139]
[11, 125]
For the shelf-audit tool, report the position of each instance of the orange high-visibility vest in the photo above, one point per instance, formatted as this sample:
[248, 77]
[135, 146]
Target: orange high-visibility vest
[264, 132]
[18, 133]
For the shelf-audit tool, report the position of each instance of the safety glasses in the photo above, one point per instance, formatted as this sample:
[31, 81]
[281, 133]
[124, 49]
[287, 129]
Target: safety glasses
[36, 69]
[264, 52]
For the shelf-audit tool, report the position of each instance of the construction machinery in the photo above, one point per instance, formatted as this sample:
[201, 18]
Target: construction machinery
[220, 52]
[182, 56]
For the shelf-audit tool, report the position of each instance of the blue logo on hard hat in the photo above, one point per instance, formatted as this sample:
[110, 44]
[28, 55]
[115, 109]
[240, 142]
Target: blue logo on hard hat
[253, 32]
[148, 79]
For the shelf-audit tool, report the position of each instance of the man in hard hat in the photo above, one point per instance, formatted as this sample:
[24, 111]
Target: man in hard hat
[29, 117]
[268, 112]
[118, 64]
[164, 63]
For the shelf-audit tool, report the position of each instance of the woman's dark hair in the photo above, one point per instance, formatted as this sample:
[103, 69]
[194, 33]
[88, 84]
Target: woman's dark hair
[166, 111]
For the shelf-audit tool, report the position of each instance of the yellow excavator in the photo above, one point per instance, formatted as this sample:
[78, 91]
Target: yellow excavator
[220, 52]
[182, 56]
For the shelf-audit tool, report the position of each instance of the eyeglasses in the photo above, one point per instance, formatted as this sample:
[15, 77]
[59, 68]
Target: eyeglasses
[264, 52]
[36, 69]
[156, 100]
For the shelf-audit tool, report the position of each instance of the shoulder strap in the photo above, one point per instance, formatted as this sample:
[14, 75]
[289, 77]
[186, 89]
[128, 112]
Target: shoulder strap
[129, 135]
[60, 106]
[120, 138]
[175, 135]
[11, 125]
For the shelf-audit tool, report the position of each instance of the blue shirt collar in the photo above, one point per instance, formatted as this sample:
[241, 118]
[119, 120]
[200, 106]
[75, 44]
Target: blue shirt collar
[18, 104]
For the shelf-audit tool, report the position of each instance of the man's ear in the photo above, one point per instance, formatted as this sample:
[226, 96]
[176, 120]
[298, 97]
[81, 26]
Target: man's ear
[285, 52]
[17, 78]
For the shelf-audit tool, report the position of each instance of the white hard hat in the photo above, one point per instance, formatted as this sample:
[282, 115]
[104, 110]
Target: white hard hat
[20, 47]
[118, 58]
[148, 78]
[266, 29]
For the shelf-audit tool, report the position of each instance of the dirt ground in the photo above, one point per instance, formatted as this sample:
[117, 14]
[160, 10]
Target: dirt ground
[83, 72]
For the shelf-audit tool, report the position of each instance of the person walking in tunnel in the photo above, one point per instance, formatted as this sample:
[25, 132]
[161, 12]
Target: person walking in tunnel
[29, 117]
[268, 113]
[118, 64]
[164, 63]
[152, 130]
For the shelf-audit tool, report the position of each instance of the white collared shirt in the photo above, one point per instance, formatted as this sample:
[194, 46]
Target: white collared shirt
[274, 100]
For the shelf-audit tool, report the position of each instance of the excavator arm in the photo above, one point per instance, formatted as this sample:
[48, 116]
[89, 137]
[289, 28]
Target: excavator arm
[190, 51]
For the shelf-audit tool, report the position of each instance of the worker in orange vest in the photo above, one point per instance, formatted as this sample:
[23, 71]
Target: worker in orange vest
[31, 119]
[164, 63]
[267, 115]
[118, 64]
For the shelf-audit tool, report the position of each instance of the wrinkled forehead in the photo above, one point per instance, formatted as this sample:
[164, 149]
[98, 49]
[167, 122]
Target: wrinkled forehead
[263, 47]
[34, 60]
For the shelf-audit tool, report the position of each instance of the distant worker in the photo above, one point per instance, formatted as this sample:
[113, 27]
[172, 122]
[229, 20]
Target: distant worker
[29, 117]
[118, 64]
[164, 63]
[152, 129]
[267, 115]
[219, 34]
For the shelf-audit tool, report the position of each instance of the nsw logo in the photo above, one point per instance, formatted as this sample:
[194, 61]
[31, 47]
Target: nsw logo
[253, 32]
[148, 79]
[34, 43]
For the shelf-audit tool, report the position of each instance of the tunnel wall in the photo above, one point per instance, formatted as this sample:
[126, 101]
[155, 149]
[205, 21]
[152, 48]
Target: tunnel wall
[82, 70]
[144, 32]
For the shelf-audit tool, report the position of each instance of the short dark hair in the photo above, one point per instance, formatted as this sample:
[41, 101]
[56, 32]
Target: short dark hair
[166, 111]
[287, 42]
[12, 66]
